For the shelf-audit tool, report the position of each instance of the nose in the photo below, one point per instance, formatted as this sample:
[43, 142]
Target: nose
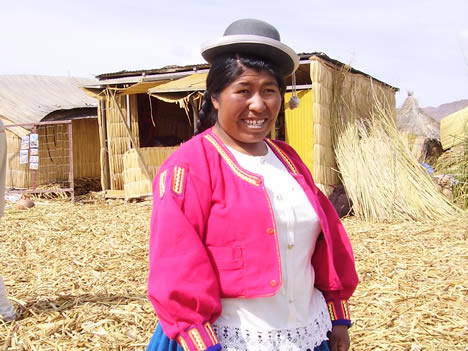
[257, 103]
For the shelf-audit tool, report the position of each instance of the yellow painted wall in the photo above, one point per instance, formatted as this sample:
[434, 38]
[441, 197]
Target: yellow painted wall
[299, 126]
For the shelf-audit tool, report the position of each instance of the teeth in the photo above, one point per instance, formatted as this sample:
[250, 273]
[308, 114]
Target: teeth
[254, 123]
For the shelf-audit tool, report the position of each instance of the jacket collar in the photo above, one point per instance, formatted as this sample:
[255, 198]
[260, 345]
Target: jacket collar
[231, 161]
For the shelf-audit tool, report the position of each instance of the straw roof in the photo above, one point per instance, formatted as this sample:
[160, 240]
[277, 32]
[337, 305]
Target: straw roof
[454, 129]
[413, 120]
[30, 98]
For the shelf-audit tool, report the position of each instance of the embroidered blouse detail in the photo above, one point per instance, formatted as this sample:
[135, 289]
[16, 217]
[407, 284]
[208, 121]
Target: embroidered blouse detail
[297, 339]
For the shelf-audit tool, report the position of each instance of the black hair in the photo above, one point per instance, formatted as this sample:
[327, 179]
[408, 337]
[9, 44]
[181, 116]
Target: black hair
[224, 70]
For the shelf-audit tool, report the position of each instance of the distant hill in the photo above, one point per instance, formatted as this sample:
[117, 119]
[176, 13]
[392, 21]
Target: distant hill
[445, 109]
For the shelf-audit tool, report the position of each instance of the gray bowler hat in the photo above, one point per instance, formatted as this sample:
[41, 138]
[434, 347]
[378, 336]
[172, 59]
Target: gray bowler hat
[255, 37]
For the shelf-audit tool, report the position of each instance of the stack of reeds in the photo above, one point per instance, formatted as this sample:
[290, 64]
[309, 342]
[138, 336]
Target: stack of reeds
[141, 167]
[454, 163]
[381, 176]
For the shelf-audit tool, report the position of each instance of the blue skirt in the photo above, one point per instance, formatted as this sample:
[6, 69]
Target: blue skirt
[160, 342]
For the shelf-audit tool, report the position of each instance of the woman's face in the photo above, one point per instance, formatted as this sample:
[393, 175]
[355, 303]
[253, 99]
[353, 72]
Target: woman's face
[247, 110]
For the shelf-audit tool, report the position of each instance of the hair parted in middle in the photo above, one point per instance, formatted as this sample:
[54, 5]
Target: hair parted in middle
[223, 71]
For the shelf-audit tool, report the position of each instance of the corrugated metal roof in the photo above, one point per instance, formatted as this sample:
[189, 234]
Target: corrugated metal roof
[133, 76]
[163, 70]
[30, 98]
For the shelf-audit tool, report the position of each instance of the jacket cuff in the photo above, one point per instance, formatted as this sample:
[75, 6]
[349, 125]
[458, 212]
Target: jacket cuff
[339, 312]
[199, 337]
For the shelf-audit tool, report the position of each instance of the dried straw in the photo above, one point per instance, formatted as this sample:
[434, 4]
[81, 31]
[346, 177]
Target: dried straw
[454, 162]
[382, 177]
[413, 285]
[76, 276]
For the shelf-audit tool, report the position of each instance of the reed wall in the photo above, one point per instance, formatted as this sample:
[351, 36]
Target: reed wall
[54, 158]
[118, 140]
[86, 159]
[340, 97]
[54, 154]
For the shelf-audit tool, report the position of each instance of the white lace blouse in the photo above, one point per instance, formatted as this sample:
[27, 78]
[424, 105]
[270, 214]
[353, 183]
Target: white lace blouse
[296, 318]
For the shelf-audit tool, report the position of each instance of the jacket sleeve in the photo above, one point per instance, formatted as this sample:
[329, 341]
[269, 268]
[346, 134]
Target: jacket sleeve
[339, 255]
[182, 284]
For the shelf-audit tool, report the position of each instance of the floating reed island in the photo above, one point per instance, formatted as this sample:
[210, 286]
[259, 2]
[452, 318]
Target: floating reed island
[76, 276]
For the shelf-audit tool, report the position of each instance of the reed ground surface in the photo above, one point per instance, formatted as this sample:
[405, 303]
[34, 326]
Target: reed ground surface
[76, 276]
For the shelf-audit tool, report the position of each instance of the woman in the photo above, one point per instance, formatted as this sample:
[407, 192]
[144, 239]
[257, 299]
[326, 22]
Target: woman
[245, 252]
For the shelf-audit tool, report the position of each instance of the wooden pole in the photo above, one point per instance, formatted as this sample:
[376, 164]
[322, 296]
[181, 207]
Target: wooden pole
[70, 154]
[195, 113]
[104, 153]
[34, 130]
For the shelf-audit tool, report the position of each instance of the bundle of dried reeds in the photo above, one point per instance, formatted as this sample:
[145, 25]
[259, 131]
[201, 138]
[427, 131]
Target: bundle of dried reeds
[454, 163]
[381, 176]
[137, 183]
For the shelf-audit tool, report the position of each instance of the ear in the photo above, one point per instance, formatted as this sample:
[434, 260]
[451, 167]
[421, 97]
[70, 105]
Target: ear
[215, 103]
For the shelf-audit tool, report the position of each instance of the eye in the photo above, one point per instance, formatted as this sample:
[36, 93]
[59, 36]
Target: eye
[271, 90]
[242, 91]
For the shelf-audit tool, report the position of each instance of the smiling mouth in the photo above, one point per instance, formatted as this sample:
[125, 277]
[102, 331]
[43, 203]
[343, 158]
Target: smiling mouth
[255, 123]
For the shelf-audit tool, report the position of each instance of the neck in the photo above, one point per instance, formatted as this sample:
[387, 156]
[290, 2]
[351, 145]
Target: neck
[252, 149]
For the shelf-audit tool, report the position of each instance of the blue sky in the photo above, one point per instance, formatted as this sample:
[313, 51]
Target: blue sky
[419, 45]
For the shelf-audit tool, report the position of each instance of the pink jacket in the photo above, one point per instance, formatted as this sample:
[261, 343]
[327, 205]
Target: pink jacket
[213, 235]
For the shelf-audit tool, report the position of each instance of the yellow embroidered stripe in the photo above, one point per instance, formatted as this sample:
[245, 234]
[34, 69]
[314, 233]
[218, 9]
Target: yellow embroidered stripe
[283, 155]
[211, 334]
[237, 171]
[197, 339]
[344, 306]
[332, 311]
[182, 343]
[178, 180]
[162, 183]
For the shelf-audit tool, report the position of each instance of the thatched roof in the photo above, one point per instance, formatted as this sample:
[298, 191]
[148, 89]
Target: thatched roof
[31, 98]
[413, 120]
[454, 129]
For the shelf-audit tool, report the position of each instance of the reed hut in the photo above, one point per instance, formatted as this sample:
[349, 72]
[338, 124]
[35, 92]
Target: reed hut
[31, 100]
[454, 129]
[145, 115]
[420, 129]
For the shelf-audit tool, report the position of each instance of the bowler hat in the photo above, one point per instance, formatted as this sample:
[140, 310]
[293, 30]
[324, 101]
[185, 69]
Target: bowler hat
[252, 36]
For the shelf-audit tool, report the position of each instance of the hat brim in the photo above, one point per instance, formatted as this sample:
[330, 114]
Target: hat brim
[281, 55]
